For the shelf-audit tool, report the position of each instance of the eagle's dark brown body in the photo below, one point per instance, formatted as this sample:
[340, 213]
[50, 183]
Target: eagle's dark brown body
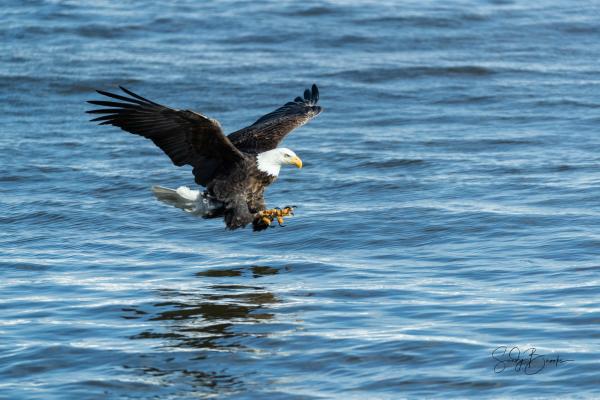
[225, 165]
[249, 184]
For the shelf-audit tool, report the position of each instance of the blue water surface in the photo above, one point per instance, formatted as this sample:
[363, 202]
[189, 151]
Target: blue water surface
[449, 203]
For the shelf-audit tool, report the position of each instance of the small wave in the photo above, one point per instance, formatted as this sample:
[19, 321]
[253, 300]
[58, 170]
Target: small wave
[508, 141]
[49, 169]
[90, 85]
[419, 21]
[106, 31]
[9, 81]
[478, 143]
[474, 17]
[257, 39]
[36, 217]
[312, 12]
[14, 178]
[466, 100]
[566, 102]
[394, 163]
[26, 266]
[346, 40]
[376, 75]
[583, 29]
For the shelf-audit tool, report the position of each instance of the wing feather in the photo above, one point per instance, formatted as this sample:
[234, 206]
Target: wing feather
[269, 130]
[185, 136]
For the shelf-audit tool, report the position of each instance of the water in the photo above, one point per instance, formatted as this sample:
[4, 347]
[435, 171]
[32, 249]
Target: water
[448, 204]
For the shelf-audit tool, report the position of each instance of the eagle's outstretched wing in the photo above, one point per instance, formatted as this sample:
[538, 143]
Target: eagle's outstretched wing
[185, 136]
[266, 133]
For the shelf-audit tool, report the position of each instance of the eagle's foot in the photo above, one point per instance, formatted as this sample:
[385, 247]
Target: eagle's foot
[268, 216]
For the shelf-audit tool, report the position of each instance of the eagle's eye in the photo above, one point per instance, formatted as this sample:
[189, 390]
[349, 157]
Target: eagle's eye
[287, 155]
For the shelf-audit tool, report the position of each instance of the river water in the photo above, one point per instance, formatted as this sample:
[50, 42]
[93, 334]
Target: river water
[449, 203]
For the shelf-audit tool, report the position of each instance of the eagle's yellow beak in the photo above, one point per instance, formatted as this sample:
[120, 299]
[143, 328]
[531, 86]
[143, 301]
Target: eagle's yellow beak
[296, 161]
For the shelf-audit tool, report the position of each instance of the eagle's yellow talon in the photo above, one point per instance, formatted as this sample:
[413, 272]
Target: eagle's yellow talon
[268, 216]
[288, 210]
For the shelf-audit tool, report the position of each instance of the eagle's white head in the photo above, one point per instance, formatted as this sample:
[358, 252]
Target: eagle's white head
[272, 160]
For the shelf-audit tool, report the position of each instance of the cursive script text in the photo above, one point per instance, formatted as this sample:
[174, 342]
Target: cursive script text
[528, 362]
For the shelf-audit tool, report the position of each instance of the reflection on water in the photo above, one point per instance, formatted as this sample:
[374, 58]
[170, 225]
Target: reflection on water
[219, 317]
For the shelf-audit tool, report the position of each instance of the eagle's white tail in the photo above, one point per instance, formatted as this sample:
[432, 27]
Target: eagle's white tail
[191, 201]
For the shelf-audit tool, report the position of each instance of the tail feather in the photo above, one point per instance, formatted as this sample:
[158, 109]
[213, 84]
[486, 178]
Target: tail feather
[191, 201]
[163, 193]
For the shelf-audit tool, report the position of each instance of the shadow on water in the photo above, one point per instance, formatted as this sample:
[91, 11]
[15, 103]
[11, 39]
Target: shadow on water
[198, 334]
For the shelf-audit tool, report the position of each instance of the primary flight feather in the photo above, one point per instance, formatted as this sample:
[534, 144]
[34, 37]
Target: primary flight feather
[235, 169]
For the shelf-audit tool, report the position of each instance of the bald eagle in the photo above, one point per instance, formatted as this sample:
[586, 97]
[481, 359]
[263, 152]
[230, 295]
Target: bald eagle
[234, 169]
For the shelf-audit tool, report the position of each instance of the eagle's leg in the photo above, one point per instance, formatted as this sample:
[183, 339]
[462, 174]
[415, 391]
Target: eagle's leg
[268, 216]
